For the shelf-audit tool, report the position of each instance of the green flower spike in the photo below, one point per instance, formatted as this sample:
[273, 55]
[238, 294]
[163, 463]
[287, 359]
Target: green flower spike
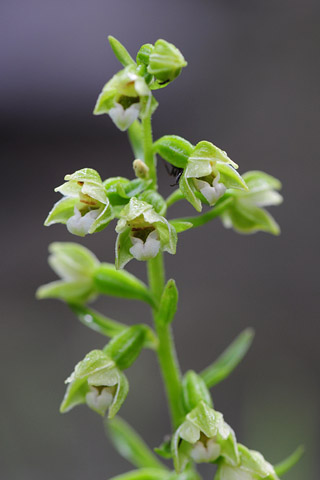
[204, 436]
[122, 98]
[75, 265]
[142, 233]
[97, 382]
[85, 207]
[209, 172]
[245, 214]
[252, 466]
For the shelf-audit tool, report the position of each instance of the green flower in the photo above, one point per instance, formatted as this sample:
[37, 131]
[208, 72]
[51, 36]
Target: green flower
[97, 382]
[142, 233]
[165, 62]
[75, 265]
[85, 207]
[204, 436]
[252, 466]
[122, 98]
[207, 175]
[245, 213]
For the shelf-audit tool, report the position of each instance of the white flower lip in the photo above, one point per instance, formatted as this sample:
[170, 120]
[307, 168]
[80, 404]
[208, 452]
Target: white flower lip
[123, 118]
[205, 453]
[231, 473]
[79, 225]
[99, 400]
[213, 192]
[145, 250]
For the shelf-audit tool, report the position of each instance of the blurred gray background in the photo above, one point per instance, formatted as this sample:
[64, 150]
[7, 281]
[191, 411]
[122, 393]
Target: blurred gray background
[251, 87]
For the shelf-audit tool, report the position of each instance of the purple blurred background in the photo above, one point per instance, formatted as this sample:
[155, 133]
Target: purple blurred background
[251, 87]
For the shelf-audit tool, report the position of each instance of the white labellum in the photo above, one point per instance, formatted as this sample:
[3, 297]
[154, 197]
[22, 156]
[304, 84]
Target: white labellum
[123, 118]
[79, 225]
[145, 250]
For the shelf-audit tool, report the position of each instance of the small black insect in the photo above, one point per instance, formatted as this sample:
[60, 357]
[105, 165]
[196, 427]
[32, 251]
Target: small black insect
[174, 172]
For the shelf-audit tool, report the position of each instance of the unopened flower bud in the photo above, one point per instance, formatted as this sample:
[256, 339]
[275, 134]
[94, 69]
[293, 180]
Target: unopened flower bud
[165, 61]
[140, 169]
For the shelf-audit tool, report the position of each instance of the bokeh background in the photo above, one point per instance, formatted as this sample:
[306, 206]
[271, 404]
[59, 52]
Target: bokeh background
[251, 87]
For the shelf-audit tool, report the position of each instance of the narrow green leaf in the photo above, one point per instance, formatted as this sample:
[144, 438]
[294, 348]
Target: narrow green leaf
[228, 360]
[135, 135]
[168, 304]
[121, 52]
[130, 445]
[96, 321]
[286, 465]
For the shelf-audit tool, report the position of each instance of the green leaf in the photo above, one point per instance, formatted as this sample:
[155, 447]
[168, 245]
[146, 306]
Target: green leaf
[194, 390]
[121, 52]
[144, 54]
[168, 304]
[119, 283]
[130, 445]
[135, 135]
[97, 322]
[286, 465]
[175, 150]
[126, 346]
[228, 360]
[180, 226]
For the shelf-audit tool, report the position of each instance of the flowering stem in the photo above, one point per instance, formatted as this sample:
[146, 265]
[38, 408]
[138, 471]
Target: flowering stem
[148, 153]
[210, 215]
[166, 350]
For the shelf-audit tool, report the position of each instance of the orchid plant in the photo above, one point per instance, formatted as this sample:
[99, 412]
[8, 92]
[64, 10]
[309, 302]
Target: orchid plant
[205, 177]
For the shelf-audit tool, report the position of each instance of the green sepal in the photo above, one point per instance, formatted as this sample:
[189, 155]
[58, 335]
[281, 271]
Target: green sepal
[135, 134]
[125, 347]
[180, 450]
[154, 199]
[123, 245]
[168, 304]
[194, 390]
[289, 462]
[144, 53]
[230, 177]
[174, 150]
[228, 360]
[165, 61]
[249, 219]
[75, 265]
[188, 190]
[75, 395]
[180, 226]
[130, 445]
[61, 211]
[202, 157]
[253, 462]
[120, 52]
[205, 419]
[91, 185]
[119, 283]
[164, 450]
[80, 291]
[120, 396]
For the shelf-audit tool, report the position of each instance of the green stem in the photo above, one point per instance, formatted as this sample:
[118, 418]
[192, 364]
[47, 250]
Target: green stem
[166, 350]
[210, 215]
[148, 153]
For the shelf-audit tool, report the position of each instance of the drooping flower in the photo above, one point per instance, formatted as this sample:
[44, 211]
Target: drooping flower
[75, 265]
[125, 97]
[204, 436]
[98, 382]
[246, 213]
[208, 172]
[142, 233]
[85, 207]
[252, 466]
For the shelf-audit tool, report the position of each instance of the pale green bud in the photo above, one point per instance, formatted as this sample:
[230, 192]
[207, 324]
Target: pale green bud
[165, 61]
[126, 346]
[141, 170]
[194, 391]
[97, 382]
